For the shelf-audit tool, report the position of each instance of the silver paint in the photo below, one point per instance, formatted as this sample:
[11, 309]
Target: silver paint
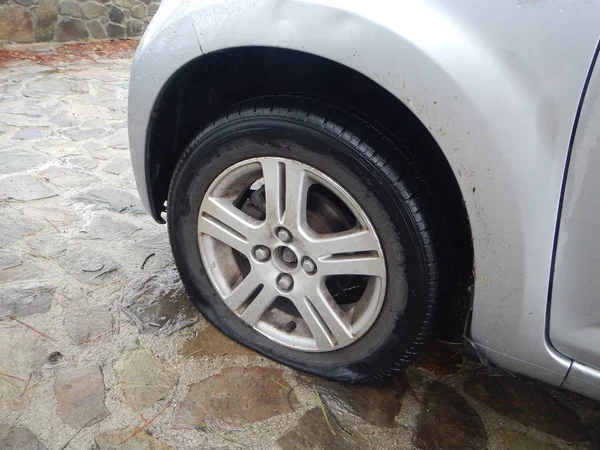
[575, 302]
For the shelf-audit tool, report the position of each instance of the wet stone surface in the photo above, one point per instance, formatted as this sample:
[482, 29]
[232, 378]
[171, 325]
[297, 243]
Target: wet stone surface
[159, 304]
[211, 342]
[47, 246]
[236, 397]
[21, 354]
[144, 378]
[19, 438]
[441, 359]
[108, 228]
[25, 301]
[82, 325]
[111, 199]
[117, 166]
[514, 440]
[64, 177]
[17, 227]
[104, 341]
[89, 265]
[18, 160]
[378, 405]
[80, 396]
[116, 440]
[529, 404]
[448, 422]
[314, 431]
[24, 188]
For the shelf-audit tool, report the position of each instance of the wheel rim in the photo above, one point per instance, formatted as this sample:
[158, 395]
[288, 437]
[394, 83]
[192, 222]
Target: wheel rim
[292, 254]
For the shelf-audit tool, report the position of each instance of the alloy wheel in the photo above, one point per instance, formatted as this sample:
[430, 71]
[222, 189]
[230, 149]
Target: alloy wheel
[292, 254]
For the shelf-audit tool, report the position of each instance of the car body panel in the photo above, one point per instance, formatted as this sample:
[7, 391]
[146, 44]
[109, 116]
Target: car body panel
[575, 302]
[500, 105]
[170, 42]
[583, 379]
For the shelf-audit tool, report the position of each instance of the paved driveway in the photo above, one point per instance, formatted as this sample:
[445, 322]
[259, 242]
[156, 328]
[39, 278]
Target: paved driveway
[98, 340]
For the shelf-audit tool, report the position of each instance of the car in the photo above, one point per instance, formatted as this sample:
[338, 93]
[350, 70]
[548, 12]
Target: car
[344, 180]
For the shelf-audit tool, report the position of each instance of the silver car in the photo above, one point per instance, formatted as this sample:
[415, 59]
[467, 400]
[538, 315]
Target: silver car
[345, 179]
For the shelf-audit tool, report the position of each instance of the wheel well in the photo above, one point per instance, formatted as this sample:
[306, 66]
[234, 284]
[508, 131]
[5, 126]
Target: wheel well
[205, 88]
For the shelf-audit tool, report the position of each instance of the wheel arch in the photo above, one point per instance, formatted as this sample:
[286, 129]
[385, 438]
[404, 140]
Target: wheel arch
[206, 87]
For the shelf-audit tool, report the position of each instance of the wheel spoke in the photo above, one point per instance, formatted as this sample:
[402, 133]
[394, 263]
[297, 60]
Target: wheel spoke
[274, 176]
[296, 193]
[259, 305]
[315, 324]
[225, 212]
[243, 290]
[331, 313]
[351, 241]
[324, 318]
[223, 221]
[352, 264]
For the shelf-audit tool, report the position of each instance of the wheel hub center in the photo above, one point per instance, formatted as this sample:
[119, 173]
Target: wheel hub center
[286, 258]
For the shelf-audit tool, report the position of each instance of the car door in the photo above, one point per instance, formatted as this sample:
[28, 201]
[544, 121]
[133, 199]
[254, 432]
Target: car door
[574, 325]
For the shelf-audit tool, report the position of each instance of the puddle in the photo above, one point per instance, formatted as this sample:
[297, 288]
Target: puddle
[313, 431]
[159, 304]
[235, 398]
[377, 404]
[528, 403]
[211, 342]
[448, 422]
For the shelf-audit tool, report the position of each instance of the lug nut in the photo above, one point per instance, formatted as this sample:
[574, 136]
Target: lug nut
[262, 253]
[309, 266]
[284, 235]
[285, 282]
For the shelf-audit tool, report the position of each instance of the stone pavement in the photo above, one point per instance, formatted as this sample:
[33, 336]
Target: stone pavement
[98, 339]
